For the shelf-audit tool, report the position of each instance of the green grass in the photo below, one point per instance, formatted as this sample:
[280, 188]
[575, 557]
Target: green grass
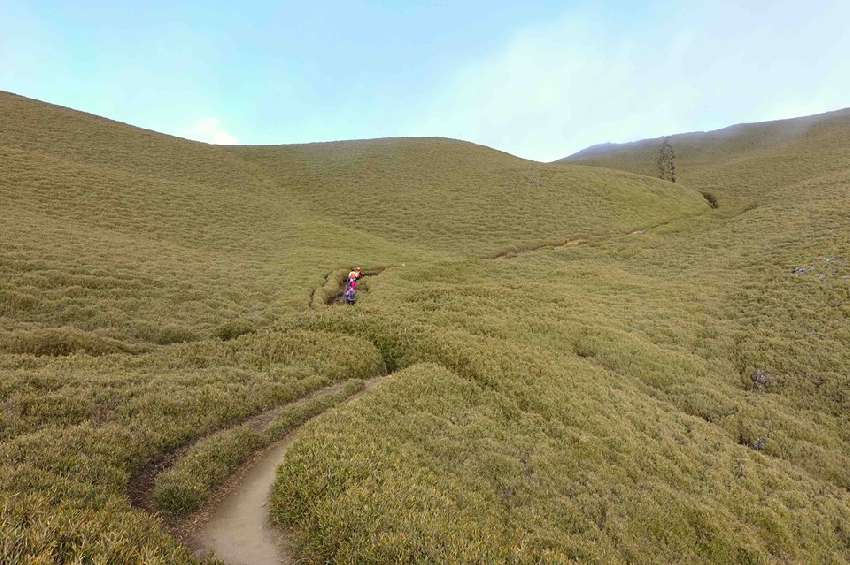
[740, 164]
[144, 238]
[186, 485]
[432, 194]
[597, 402]
[76, 430]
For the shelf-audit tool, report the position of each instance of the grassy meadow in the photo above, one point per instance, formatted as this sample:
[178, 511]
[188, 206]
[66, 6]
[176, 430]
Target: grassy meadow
[673, 385]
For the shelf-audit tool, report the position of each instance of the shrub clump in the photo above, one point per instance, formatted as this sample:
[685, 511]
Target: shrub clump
[164, 334]
[296, 414]
[337, 356]
[186, 486]
[710, 198]
[333, 285]
[233, 329]
[58, 342]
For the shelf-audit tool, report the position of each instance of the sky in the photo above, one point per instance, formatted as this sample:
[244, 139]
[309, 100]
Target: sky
[540, 80]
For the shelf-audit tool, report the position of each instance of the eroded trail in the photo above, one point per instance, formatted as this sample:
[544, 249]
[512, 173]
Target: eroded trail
[236, 528]
[140, 487]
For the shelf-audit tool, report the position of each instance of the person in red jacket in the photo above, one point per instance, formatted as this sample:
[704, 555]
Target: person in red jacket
[354, 275]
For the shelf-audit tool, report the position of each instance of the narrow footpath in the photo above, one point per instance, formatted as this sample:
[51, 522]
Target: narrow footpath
[237, 527]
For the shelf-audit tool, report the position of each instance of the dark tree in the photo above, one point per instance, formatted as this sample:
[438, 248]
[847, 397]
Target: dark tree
[666, 161]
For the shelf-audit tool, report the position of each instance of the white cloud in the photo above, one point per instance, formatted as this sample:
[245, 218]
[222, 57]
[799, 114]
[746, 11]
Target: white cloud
[209, 130]
[593, 76]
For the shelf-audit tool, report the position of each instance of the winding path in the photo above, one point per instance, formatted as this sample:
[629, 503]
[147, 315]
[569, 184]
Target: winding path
[236, 528]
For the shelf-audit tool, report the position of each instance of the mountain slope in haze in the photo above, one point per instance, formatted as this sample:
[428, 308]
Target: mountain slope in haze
[742, 163]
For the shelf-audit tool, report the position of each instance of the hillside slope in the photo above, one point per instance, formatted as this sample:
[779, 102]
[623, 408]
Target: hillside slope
[741, 163]
[676, 395]
[434, 193]
[148, 238]
[671, 388]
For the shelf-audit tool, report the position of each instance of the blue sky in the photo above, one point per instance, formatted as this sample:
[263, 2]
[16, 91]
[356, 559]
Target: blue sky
[537, 79]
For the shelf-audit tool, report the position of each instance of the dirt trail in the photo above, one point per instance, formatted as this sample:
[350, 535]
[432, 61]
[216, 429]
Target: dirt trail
[140, 487]
[511, 253]
[237, 527]
[238, 530]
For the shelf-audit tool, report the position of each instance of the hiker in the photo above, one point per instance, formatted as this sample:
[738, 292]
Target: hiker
[350, 294]
[354, 275]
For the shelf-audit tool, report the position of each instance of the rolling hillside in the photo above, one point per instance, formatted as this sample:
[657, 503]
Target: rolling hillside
[434, 193]
[147, 238]
[574, 363]
[742, 163]
[678, 394]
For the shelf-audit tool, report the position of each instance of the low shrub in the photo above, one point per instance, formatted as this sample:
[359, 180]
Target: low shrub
[233, 329]
[710, 198]
[332, 354]
[60, 342]
[293, 415]
[330, 289]
[164, 334]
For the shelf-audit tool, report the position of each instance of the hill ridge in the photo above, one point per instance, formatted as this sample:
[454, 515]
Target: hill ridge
[598, 148]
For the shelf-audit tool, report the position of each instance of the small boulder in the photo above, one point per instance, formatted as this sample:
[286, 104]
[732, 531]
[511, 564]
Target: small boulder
[761, 380]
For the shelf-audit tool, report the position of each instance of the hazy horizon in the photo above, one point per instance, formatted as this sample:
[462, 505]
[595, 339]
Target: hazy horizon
[540, 82]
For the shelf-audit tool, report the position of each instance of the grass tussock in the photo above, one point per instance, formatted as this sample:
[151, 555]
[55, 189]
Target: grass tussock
[61, 341]
[333, 284]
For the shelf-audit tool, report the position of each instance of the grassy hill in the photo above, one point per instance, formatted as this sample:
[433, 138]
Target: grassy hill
[433, 193]
[641, 378]
[148, 238]
[742, 163]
